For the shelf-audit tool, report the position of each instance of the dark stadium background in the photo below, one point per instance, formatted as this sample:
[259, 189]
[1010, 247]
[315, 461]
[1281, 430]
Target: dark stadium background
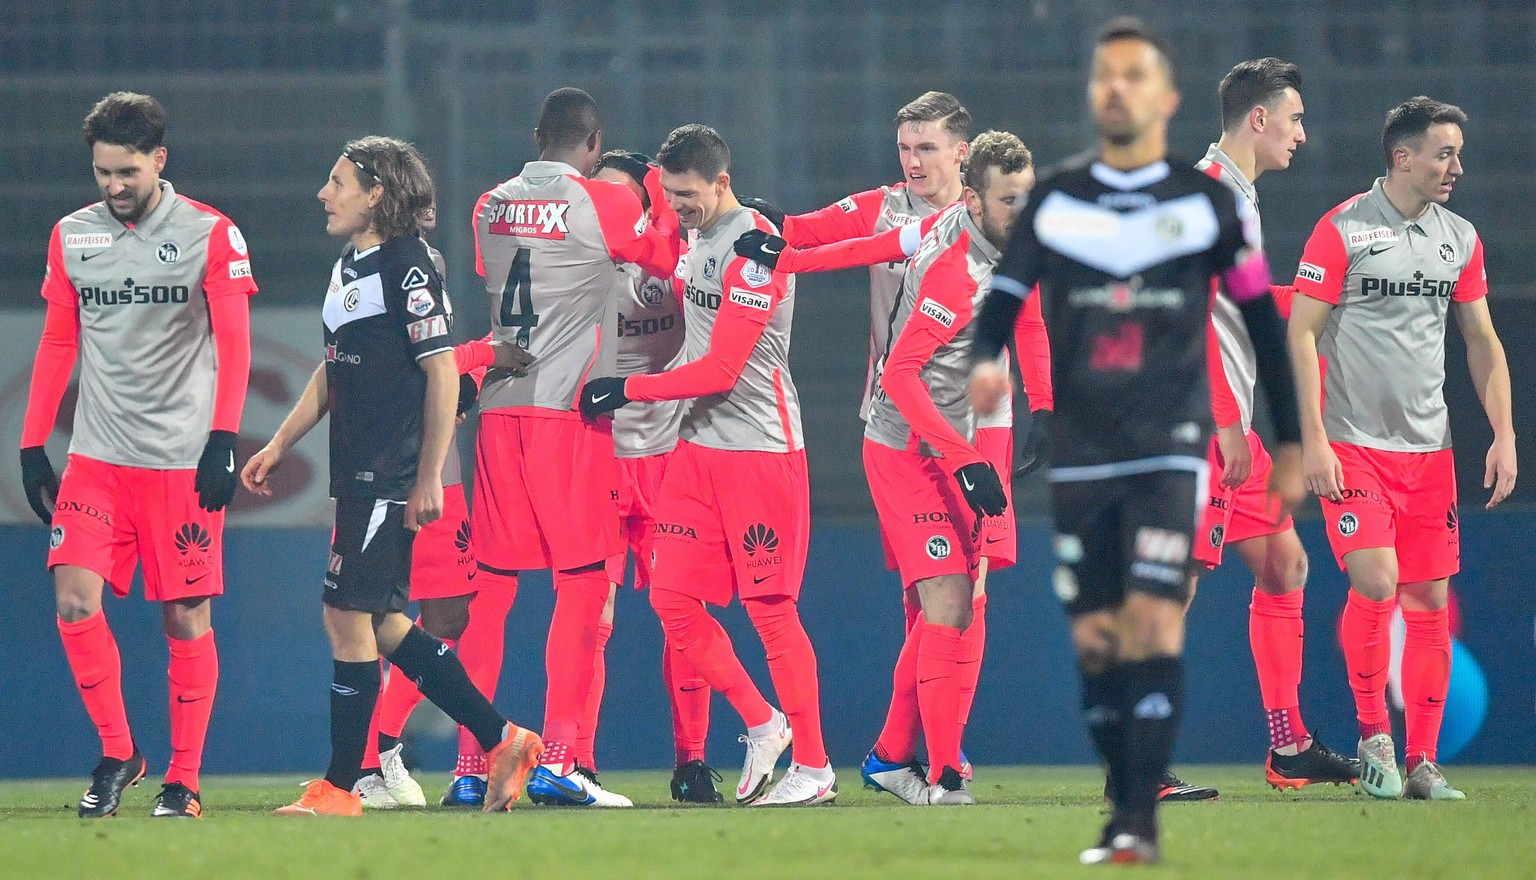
[262, 95]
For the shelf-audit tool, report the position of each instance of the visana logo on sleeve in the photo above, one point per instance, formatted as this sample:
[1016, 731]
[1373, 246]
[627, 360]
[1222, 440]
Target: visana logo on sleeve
[427, 328]
[419, 301]
[848, 205]
[239, 269]
[1309, 272]
[530, 219]
[937, 312]
[751, 300]
[755, 273]
[88, 241]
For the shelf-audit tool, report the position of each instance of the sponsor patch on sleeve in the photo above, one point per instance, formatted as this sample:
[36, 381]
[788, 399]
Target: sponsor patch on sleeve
[419, 301]
[427, 328]
[236, 240]
[756, 274]
[1311, 273]
[937, 312]
[751, 300]
[414, 278]
[239, 269]
[847, 205]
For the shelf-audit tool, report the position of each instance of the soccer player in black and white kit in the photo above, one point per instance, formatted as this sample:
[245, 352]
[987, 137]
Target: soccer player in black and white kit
[1123, 245]
[391, 386]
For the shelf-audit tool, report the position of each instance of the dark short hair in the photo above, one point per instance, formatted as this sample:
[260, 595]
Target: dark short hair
[398, 167]
[567, 118]
[1129, 27]
[938, 107]
[994, 149]
[695, 148]
[1260, 81]
[126, 119]
[635, 165]
[1407, 122]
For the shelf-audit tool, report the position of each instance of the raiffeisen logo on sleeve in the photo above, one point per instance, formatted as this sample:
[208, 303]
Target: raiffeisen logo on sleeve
[530, 219]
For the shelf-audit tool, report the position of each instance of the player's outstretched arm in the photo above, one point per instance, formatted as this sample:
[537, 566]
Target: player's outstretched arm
[306, 413]
[890, 246]
[1490, 375]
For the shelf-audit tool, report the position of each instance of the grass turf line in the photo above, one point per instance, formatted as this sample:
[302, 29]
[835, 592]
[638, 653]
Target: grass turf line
[1031, 823]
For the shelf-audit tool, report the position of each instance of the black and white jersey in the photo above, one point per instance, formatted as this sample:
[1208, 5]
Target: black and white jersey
[385, 310]
[1124, 262]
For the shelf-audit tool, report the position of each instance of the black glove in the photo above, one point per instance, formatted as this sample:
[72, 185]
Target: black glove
[1036, 444]
[982, 489]
[37, 475]
[755, 244]
[774, 215]
[469, 392]
[602, 396]
[215, 481]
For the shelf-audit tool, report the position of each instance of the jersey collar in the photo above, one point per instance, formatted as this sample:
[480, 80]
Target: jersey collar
[1139, 178]
[149, 222]
[546, 168]
[1217, 156]
[979, 240]
[1389, 212]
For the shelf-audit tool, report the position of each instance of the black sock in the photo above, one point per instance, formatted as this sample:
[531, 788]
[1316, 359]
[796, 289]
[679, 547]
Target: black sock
[442, 679]
[1152, 703]
[1102, 716]
[387, 742]
[354, 691]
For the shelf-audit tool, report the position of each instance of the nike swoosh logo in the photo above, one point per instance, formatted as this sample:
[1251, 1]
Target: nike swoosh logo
[1370, 675]
[689, 690]
[1432, 700]
[994, 540]
[181, 699]
[600, 398]
[769, 250]
[86, 687]
[745, 787]
[231, 467]
[1378, 248]
[85, 257]
[191, 581]
[566, 786]
[966, 482]
[758, 580]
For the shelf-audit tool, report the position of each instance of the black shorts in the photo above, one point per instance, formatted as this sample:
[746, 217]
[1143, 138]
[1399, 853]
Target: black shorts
[1125, 533]
[370, 568]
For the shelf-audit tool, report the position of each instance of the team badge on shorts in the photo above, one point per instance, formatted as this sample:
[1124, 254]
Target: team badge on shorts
[1217, 533]
[938, 547]
[1348, 524]
[55, 537]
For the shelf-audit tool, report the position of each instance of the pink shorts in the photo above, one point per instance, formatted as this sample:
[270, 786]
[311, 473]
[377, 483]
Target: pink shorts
[443, 554]
[1233, 515]
[732, 522]
[1402, 500]
[110, 518]
[928, 528]
[639, 487]
[999, 537]
[545, 492]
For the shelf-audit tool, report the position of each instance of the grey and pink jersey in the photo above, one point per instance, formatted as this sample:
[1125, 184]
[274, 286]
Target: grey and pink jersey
[147, 359]
[1237, 356]
[944, 283]
[870, 213]
[761, 412]
[1391, 281]
[650, 334]
[546, 243]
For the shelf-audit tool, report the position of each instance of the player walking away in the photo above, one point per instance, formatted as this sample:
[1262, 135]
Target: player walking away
[649, 327]
[1123, 245]
[545, 479]
[1261, 112]
[1376, 280]
[931, 485]
[150, 291]
[733, 517]
[390, 384]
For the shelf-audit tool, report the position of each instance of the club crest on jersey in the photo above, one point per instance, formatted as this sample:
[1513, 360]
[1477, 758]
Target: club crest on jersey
[349, 299]
[1309, 272]
[709, 268]
[419, 301]
[937, 312]
[651, 293]
[1447, 253]
[755, 273]
[414, 278]
[1168, 227]
[759, 301]
[88, 240]
[168, 253]
[530, 219]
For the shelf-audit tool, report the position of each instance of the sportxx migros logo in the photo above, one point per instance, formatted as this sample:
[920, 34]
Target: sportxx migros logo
[759, 538]
[530, 219]
[192, 536]
[461, 537]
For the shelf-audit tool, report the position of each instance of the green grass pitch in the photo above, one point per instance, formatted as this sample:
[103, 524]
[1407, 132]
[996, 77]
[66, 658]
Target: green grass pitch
[1031, 823]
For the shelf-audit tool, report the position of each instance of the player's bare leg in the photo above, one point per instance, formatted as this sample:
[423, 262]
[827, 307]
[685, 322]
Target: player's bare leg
[1364, 633]
[98, 670]
[1426, 681]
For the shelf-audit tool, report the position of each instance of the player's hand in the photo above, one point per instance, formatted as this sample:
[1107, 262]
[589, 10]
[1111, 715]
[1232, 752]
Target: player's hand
[602, 396]
[771, 213]
[469, 392]
[1035, 444]
[1286, 480]
[1236, 457]
[40, 482]
[1498, 472]
[215, 480]
[990, 383]
[510, 357]
[764, 247]
[1321, 470]
[982, 489]
[425, 504]
[260, 466]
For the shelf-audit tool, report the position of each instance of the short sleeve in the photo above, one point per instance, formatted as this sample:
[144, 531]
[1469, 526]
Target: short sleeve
[1324, 263]
[229, 262]
[421, 306]
[1473, 283]
[57, 288]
